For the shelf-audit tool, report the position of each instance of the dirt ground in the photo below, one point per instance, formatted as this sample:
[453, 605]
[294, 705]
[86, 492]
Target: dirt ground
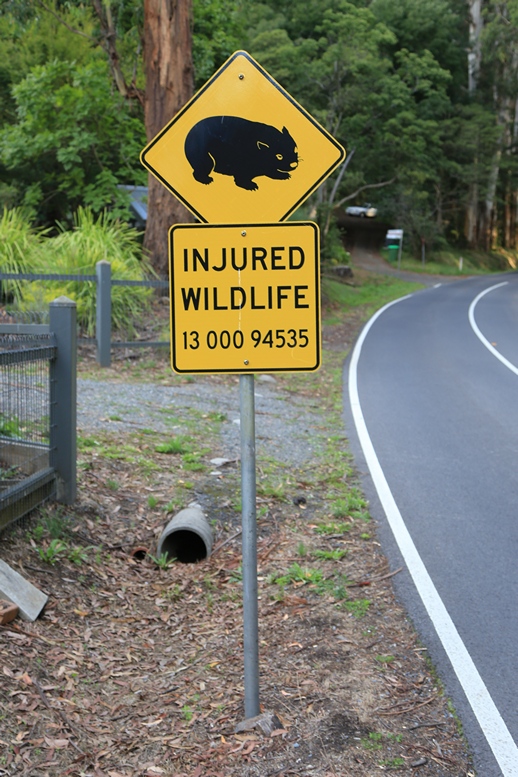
[136, 667]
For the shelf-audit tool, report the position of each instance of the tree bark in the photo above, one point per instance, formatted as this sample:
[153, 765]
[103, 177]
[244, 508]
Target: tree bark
[474, 62]
[475, 49]
[169, 85]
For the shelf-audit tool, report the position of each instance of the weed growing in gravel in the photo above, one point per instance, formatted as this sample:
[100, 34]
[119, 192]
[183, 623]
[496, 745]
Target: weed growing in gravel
[192, 462]
[358, 607]
[352, 505]
[147, 465]
[173, 594]
[385, 659]
[120, 452]
[52, 553]
[273, 490]
[392, 763]
[85, 443]
[373, 741]
[163, 561]
[330, 555]
[78, 555]
[177, 445]
[332, 528]
[335, 585]
[52, 523]
[296, 574]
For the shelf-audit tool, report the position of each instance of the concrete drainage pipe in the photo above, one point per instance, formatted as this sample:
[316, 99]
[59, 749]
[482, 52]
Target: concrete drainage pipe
[187, 537]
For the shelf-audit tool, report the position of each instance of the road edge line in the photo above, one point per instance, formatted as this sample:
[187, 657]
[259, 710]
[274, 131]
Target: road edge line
[476, 330]
[491, 722]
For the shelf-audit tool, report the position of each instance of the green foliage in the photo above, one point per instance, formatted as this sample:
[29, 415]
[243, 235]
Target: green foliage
[217, 33]
[332, 528]
[163, 561]
[296, 574]
[19, 249]
[192, 462]
[373, 741]
[358, 607]
[353, 505]
[330, 555]
[372, 294]
[9, 427]
[52, 553]
[29, 38]
[334, 586]
[78, 555]
[388, 79]
[175, 445]
[74, 140]
[77, 252]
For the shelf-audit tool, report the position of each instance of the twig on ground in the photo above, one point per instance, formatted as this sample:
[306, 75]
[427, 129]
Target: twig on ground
[61, 714]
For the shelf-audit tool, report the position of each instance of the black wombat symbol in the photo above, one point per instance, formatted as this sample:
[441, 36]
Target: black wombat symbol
[243, 149]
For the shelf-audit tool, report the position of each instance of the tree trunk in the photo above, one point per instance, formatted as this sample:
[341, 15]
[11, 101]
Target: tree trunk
[169, 85]
[474, 62]
[475, 49]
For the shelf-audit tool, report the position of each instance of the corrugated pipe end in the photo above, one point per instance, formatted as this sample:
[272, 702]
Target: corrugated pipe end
[187, 537]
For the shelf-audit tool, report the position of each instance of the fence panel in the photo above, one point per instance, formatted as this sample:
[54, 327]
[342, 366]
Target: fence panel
[37, 412]
[104, 281]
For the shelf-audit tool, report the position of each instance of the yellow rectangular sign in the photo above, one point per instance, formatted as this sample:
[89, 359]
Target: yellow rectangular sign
[245, 298]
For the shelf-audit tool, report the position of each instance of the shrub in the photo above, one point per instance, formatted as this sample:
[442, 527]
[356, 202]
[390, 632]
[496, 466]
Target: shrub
[20, 245]
[77, 252]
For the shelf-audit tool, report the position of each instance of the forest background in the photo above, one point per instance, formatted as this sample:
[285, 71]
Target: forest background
[423, 94]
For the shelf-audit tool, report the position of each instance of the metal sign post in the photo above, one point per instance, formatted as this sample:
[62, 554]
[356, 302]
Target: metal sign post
[243, 155]
[248, 513]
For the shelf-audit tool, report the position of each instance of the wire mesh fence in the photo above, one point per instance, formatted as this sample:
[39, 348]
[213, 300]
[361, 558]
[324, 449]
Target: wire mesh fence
[26, 477]
[104, 282]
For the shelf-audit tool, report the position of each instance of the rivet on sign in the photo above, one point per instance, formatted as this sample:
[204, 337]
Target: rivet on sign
[241, 76]
[244, 233]
[246, 361]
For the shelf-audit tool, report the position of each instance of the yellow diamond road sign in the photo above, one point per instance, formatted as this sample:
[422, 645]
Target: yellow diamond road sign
[245, 298]
[242, 150]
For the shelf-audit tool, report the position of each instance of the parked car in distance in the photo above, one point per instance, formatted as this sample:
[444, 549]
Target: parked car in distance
[364, 211]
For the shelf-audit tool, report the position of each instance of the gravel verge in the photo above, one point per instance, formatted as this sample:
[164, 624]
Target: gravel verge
[283, 422]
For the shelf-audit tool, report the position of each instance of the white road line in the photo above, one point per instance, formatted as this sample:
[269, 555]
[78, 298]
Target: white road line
[483, 340]
[485, 710]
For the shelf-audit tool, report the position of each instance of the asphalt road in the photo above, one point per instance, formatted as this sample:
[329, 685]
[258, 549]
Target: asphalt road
[431, 408]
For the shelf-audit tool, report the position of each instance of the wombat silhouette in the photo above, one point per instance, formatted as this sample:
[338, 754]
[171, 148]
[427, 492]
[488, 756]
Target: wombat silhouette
[240, 148]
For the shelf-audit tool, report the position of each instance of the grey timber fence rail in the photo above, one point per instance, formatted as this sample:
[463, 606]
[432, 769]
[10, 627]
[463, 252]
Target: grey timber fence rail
[104, 282]
[38, 412]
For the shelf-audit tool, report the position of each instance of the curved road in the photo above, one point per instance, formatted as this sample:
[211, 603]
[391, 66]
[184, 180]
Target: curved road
[431, 406]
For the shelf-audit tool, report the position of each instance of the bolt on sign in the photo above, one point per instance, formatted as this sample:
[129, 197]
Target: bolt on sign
[244, 298]
[242, 150]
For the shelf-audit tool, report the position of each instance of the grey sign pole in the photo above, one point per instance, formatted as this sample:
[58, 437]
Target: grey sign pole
[250, 610]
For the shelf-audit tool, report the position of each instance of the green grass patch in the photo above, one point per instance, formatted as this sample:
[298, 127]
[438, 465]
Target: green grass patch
[326, 529]
[329, 555]
[334, 586]
[358, 607]
[456, 262]
[371, 294]
[177, 445]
